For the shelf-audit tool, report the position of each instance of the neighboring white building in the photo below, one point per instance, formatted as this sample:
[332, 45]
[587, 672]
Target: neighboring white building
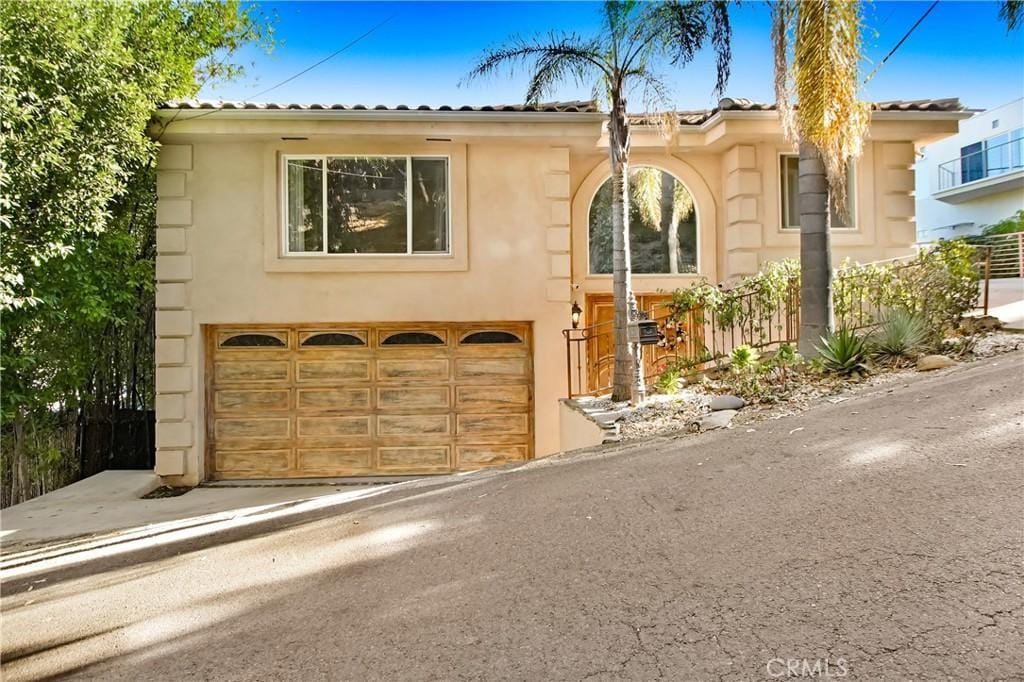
[974, 178]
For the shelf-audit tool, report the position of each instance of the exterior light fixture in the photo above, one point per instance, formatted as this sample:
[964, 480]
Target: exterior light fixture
[576, 312]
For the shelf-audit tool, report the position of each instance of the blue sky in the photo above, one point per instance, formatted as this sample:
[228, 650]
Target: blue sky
[421, 55]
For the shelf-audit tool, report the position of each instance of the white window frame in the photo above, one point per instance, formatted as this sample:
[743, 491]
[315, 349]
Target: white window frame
[851, 193]
[409, 253]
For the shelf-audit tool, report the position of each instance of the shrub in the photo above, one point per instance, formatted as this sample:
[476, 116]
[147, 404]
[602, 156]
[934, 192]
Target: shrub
[785, 357]
[939, 285]
[743, 358]
[668, 380]
[901, 334]
[1014, 223]
[843, 352]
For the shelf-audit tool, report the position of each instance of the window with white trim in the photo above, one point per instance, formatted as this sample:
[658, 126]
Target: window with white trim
[789, 177]
[349, 205]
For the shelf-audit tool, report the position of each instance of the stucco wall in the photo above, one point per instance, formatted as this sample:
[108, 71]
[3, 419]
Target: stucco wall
[883, 215]
[517, 216]
[515, 257]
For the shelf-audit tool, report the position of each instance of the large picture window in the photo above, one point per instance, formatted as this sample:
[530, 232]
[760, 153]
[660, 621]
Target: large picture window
[662, 225]
[366, 205]
[789, 176]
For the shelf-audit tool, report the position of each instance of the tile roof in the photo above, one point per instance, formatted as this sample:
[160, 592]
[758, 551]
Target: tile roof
[947, 104]
[580, 106]
[686, 118]
[739, 104]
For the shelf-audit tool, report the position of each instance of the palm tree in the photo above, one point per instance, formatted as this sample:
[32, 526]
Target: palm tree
[1012, 12]
[828, 124]
[617, 62]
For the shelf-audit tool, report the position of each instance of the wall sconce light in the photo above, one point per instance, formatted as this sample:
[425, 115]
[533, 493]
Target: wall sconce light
[576, 312]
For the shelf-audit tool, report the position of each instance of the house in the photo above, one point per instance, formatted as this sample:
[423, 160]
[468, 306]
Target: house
[382, 291]
[974, 178]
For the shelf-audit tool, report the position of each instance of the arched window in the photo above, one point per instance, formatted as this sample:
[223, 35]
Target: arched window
[334, 339]
[413, 339]
[662, 225]
[489, 337]
[253, 341]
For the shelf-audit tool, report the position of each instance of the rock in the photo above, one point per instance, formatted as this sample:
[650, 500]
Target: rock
[715, 420]
[726, 402]
[980, 324]
[930, 362]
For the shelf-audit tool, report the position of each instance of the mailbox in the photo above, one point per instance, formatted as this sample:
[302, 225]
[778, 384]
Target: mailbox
[649, 334]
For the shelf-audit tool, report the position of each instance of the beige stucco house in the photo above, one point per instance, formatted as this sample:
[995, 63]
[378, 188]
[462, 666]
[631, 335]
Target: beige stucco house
[374, 291]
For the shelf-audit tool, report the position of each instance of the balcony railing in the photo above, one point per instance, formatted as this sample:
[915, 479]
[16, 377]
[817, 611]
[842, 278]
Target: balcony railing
[992, 161]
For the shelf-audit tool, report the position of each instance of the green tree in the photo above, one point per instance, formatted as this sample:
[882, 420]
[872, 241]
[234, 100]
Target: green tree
[828, 125]
[78, 84]
[619, 62]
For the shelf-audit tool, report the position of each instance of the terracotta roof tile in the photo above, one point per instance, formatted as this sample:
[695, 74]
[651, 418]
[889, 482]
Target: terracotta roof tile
[739, 104]
[580, 106]
[686, 118]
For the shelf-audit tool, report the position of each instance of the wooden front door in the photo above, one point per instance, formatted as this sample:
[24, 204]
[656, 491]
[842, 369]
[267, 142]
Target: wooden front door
[367, 399]
[601, 348]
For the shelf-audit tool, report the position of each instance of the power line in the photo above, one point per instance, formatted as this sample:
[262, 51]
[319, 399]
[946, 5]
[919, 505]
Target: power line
[902, 40]
[334, 54]
[325, 59]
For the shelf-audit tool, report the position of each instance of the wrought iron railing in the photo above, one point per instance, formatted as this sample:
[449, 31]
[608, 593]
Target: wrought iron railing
[696, 338]
[988, 162]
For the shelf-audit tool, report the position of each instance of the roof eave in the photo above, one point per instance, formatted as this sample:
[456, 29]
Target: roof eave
[183, 115]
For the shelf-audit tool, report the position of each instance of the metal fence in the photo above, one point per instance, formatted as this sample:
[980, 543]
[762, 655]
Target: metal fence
[696, 338]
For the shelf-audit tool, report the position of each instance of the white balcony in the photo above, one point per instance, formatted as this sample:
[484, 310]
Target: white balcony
[991, 170]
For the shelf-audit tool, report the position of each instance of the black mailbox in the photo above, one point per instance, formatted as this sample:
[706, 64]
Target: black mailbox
[649, 334]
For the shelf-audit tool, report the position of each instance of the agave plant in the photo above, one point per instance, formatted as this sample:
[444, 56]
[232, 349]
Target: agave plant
[843, 352]
[901, 334]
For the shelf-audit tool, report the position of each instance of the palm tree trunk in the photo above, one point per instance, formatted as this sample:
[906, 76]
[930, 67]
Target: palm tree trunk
[815, 252]
[669, 233]
[627, 381]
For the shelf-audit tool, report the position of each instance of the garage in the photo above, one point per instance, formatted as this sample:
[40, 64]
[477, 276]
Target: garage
[367, 399]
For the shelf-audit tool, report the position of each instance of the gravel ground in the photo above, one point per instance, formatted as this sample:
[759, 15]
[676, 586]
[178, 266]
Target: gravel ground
[996, 344]
[669, 414]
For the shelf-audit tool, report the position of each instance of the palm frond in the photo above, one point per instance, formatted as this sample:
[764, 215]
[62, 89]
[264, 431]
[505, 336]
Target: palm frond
[682, 203]
[1012, 12]
[826, 57]
[645, 188]
[554, 57]
[783, 12]
[721, 39]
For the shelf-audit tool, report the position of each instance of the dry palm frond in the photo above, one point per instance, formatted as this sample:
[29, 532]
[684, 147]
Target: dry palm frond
[645, 183]
[682, 204]
[783, 12]
[826, 56]
[645, 188]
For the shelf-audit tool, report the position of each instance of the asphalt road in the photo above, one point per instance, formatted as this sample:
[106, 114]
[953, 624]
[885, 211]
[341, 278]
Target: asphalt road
[879, 538]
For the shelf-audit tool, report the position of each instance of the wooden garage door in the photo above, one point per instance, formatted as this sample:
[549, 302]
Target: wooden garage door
[333, 400]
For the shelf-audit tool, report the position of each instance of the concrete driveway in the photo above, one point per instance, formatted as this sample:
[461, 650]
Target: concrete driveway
[878, 538]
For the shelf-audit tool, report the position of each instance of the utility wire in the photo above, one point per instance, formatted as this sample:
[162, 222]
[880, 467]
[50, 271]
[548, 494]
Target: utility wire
[334, 54]
[325, 59]
[902, 40]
